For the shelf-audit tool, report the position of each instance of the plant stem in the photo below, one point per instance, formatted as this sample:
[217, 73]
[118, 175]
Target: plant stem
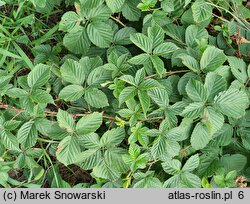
[47, 112]
[167, 73]
[53, 113]
[153, 118]
[118, 21]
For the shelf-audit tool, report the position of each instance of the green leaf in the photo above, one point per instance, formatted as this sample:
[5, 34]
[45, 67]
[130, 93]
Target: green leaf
[200, 136]
[151, 182]
[98, 76]
[9, 140]
[39, 3]
[189, 180]
[212, 59]
[201, 11]
[159, 96]
[139, 59]
[77, 42]
[189, 62]
[104, 170]
[115, 6]
[41, 96]
[130, 10]
[73, 72]
[112, 137]
[168, 6]
[128, 79]
[238, 68]
[89, 158]
[214, 84]
[127, 94]
[172, 167]
[231, 175]
[11, 124]
[2, 3]
[112, 166]
[149, 84]
[90, 141]
[96, 98]
[134, 150]
[213, 120]
[71, 93]
[90, 4]
[173, 182]
[66, 121]
[219, 179]
[27, 134]
[139, 76]
[232, 103]
[234, 162]
[39, 76]
[100, 34]
[193, 110]
[175, 32]
[172, 149]
[144, 101]
[89, 123]
[99, 13]
[142, 41]
[68, 150]
[208, 164]
[223, 137]
[182, 83]
[181, 132]
[158, 65]
[69, 21]
[166, 48]
[55, 132]
[156, 34]
[196, 91]
[122, 37]
[17, 93]
[194, 33]
[163, 147]
[191, 164]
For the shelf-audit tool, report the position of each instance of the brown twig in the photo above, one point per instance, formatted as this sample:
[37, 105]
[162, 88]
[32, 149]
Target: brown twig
[118, 21]
[151, 76]
[54, 113]
[167, 73]
[47, 112]
[6, 107]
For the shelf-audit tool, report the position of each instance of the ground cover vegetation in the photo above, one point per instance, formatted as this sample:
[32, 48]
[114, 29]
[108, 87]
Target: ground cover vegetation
[124, 93]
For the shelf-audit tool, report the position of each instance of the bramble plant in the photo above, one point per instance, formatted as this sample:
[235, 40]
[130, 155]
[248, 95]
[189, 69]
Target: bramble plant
[124, 93]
